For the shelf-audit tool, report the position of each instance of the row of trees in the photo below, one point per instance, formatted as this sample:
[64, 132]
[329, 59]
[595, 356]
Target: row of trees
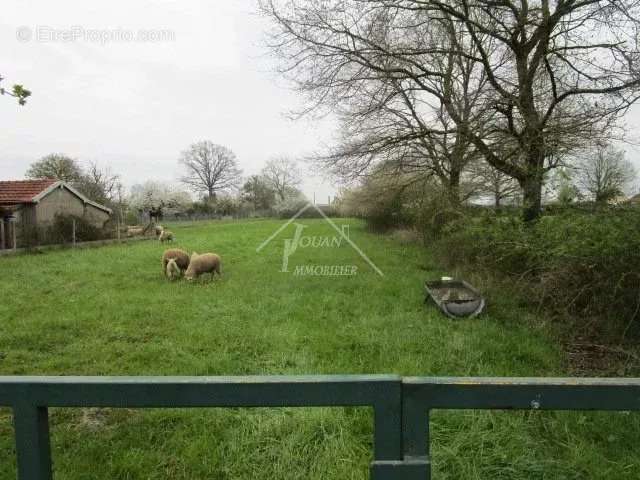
[211, 172]
[97, 183]
[213, 169]
[214, 174]
[601, 175]
[509, 88]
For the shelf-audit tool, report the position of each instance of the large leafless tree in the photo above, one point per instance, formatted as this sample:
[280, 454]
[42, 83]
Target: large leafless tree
[99, 183]
[211, 168]
[559, 73]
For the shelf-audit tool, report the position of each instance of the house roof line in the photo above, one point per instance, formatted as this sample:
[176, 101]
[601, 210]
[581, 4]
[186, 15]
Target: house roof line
[50, 188]
[61, 184]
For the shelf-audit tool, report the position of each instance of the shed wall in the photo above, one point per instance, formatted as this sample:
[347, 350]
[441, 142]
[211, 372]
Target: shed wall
[60, 201]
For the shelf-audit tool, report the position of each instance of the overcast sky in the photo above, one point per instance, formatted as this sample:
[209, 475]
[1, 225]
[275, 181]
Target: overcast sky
[134, 104]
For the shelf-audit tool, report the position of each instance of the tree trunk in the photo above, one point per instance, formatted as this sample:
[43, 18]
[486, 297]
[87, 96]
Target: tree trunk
[531, 197]
[531, 182]
[454, 188]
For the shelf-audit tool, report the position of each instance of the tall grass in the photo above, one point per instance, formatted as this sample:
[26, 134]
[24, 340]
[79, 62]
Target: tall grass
[109, 311]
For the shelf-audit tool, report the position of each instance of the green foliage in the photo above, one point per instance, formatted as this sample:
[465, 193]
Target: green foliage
[583, 263]
[57, 166]
[221, 206]
[389, 202]
[203, 207]
[85, 231]
[131, 218]
[61, 232]
[258, 194]
[17, 91]
[225, 205]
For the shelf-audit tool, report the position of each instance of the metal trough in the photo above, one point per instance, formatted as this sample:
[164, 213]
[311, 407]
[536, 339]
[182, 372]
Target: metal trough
[456, 298]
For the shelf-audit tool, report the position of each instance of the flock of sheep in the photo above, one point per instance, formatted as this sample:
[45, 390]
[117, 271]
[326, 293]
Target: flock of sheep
[177, 262]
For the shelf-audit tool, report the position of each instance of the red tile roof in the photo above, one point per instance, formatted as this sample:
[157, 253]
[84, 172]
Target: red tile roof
[22, 191]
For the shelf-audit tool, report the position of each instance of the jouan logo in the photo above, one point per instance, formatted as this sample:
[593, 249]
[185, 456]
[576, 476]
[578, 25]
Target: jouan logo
[302, 241]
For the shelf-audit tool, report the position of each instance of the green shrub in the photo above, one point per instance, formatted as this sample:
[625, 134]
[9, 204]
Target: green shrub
[388, 213]
[587, 264]
[61, 231]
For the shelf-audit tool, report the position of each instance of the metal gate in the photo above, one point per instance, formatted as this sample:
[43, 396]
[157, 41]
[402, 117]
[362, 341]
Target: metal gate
[401, 405]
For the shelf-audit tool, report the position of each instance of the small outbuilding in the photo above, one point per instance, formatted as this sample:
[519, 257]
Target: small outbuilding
[35, 203]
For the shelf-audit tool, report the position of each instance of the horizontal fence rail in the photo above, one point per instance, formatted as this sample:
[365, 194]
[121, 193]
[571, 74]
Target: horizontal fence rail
[401, 405]
[420, 395]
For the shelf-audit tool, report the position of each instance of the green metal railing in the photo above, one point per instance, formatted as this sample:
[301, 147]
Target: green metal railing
[401, 405]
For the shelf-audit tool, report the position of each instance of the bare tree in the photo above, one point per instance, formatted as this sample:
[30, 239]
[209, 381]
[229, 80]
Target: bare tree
[604, 174]
[556, 73]
[491, 182]
[99, 184]
[210, 168]
[386, 121]
[404, 137]
[282, 175]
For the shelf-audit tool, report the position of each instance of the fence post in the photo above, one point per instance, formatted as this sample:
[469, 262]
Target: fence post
[13, 230]
[390, 463]
[33, 449]
[415, 429]
[388, 424]
[73, 231]
[2, 243]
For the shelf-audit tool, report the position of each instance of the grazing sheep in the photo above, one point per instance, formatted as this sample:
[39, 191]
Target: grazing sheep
[134, 231]
[166, 236]
[173, 272]
[180, 256]
[205, 263]
[158, 229]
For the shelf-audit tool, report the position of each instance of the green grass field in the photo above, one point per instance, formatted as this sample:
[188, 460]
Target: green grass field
[109, 311]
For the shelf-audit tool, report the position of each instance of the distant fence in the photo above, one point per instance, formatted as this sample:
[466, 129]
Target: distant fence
[63, 246]
[64, 230]
[401, 405]
[68, 231]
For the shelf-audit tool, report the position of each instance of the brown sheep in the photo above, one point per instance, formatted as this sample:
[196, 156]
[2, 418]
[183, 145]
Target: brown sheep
[205, 263]
[180, 256]
[173, 271]
[166, 236]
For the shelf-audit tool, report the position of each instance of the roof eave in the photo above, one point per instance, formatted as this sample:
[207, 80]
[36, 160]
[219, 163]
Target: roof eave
[61, 184]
